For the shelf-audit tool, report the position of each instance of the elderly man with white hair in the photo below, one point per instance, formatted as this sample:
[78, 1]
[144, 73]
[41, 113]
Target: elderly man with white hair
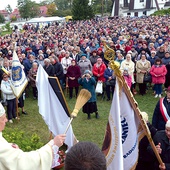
[48, 67]
[11, 157]
[162, 142]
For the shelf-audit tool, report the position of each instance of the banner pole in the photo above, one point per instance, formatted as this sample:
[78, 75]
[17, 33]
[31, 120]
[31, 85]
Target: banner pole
[109, 55]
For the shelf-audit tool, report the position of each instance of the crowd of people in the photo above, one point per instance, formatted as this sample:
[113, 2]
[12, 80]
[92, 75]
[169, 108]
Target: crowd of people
[74, 53]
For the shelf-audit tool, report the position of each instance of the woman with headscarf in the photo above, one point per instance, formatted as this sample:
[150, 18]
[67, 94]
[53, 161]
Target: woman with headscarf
[73, 73]
[129, 65]
[88, 82]
[84, 64]
[98, 70]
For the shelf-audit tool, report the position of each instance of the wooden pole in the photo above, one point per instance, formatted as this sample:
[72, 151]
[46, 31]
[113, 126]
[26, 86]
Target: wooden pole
[131, 99]
[17, 109]
[143, 124]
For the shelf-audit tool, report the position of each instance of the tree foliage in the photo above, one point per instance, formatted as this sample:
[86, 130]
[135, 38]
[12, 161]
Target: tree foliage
[162, 12]
[51, 9]
[2, 19]
[63, 13]
[13, 18]
[8, 9]
[82, 10]
[63, 4]
[28, 8]
[107, 6]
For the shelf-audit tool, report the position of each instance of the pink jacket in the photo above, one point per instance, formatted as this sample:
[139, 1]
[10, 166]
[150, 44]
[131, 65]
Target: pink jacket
[128, 80]
[158, 74]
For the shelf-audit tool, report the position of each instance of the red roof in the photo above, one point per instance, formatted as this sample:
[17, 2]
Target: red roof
[43, 11]
[3, 12]
[15, 13]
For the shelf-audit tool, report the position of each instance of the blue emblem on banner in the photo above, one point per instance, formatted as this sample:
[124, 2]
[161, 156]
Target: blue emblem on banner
[16, 73]
[125, 129]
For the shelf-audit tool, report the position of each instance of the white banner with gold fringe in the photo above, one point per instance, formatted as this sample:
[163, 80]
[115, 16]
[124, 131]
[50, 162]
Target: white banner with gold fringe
[18, 78]
[121, 139]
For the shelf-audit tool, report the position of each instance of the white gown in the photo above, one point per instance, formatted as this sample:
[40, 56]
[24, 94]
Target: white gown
[15, 159]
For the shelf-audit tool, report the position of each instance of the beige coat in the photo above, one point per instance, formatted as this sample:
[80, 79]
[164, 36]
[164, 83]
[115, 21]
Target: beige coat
[141, 67]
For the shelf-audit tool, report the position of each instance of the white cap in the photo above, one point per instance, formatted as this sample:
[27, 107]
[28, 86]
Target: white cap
[2, 110]
[168, 124]
[129, 52]
[153, 51]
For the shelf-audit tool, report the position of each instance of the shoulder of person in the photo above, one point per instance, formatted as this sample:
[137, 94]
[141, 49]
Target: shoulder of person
[160, 133]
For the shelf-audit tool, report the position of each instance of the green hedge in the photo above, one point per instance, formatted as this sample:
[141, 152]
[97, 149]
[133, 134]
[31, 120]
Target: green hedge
[26, 143]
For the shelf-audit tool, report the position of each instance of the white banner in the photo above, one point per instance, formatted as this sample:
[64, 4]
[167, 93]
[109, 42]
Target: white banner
[121, 140]
[18, 78]
[51, 108]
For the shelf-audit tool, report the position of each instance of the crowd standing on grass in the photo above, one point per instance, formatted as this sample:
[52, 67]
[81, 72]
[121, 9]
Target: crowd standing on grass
[141, 44]
[74, 53]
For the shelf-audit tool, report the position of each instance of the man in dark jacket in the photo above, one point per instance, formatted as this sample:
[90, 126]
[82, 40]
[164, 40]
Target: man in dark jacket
[161, 140]
[162, 112]
[58, 69]
[48, 67]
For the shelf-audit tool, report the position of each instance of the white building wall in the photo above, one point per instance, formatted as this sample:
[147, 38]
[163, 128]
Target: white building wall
[139, 5]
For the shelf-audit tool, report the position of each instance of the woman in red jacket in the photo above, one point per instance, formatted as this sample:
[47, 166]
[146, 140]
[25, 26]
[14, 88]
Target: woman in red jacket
[98, 70]
[158, 72]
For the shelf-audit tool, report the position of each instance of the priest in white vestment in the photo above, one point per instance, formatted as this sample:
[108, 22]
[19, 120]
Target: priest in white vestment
[13, 158]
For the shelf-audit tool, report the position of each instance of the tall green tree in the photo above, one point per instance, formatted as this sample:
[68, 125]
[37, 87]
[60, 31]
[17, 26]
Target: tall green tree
[8, 9]
[82, 10]
[28, 8]
[2, 19]
[105, 5]
[63, 4]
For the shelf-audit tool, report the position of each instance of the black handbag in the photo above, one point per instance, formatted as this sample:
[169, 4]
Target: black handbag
[111, 82]
[147, 78]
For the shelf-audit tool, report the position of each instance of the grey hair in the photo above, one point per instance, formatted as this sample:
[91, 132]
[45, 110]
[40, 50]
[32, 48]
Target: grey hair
[47, 60]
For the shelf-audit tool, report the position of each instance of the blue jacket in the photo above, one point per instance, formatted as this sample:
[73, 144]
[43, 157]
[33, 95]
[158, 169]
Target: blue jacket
[108, 73]
[165, 60]
[90, 86]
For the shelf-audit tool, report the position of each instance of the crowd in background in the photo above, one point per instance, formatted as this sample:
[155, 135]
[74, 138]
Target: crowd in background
[138, 43]
[74, 52]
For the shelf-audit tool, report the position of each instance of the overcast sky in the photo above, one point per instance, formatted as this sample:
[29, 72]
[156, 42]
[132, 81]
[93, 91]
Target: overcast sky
[13, 3]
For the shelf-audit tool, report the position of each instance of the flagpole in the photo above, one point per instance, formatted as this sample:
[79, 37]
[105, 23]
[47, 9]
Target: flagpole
[14, 44]
[68, 125]
[109, 55]
[17, 108]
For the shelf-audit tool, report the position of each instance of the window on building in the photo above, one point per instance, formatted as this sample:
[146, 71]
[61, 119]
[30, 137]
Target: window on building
[144, 12]
[128, 14]
[141, 0]
[126, 4]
